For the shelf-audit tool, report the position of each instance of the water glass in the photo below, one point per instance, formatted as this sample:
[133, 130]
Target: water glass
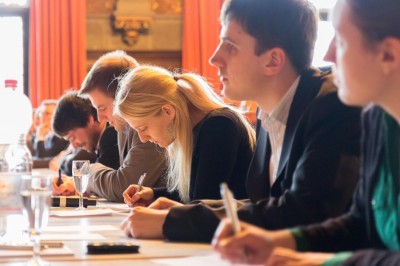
[80, 172]
[36, 200]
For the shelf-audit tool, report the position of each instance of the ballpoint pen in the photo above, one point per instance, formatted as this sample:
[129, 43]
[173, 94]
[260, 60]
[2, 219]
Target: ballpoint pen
[59, 180]
[140, 184]
[230, 207]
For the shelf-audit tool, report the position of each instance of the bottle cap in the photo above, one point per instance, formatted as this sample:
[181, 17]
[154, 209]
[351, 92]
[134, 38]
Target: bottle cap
[10, 83]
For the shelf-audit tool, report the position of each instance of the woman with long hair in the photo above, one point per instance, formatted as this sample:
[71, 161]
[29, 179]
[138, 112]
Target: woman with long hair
[207, 140]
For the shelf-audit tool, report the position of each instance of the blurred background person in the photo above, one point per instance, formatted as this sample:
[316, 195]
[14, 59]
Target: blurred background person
[46, 144]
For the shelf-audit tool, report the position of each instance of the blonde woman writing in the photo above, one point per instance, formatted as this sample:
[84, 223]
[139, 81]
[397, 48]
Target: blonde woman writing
[207, 141]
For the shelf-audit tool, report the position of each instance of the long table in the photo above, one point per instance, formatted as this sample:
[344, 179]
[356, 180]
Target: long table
[149, 249]
[150, 252]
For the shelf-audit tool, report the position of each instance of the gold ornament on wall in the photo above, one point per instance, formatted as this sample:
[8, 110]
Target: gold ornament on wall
[131, 27]
[166, 6]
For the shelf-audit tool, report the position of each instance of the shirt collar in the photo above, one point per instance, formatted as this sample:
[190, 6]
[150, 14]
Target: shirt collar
[281, 111]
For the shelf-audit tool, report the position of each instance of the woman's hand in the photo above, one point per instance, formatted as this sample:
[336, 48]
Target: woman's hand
[284, 256]
[135, 198]
[252, 245]
[144, 223]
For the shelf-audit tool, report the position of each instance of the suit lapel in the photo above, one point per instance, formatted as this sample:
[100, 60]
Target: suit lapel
[258, 175]
[307, 90]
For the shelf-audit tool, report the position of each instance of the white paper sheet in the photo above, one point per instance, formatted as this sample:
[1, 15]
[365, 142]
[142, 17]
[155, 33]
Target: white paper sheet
[64, 251]
[71, 237]
[209, 260]
[73, 228]
[117, 207]
[75, 213]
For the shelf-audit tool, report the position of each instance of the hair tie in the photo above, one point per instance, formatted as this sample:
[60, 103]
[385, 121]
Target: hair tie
[176, 76]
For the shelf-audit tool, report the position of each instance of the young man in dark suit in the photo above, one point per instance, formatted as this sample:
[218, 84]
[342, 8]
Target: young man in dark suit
[306, 160]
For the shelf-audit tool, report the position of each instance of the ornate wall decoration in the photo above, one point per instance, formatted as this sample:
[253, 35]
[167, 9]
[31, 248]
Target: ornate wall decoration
[131, 27]
[100, 7]
[166, 6]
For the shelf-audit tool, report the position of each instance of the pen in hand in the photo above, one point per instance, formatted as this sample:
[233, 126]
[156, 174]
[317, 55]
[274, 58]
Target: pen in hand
[230, 207]
[59, 180]
[140, 184]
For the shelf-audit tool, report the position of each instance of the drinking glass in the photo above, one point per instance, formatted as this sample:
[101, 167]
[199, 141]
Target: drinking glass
[36, 201]
[80, 172]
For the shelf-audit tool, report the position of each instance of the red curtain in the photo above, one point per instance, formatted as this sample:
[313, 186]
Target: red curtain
[57, 47]
[200, 38]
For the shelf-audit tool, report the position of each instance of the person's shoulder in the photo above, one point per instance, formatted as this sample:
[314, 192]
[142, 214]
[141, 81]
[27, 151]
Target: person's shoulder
[320, 79]
[223, 120]
[221, 115]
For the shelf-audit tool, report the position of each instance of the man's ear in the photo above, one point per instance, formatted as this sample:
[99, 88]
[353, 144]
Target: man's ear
[389, 55]
[274, 60]
[91, 121]
[168, 110]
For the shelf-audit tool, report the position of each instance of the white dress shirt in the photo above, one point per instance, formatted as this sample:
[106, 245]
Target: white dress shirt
[275, 124]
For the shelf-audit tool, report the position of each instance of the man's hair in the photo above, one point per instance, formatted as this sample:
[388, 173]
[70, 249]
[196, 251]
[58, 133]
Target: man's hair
[288, 24]
[104, 74]
[72, 112]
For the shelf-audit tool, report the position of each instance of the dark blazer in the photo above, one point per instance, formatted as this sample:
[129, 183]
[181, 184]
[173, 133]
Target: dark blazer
[356, 229]
[106, 153]
[317, 172]
[221, 153]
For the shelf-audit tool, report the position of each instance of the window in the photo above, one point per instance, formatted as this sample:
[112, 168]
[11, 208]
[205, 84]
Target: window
[14, 42]
[325, 31]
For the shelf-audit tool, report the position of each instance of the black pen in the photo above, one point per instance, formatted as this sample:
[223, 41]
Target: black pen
[59, 180]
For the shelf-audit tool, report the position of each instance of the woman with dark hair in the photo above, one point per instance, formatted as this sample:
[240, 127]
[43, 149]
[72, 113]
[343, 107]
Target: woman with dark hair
[367, 58]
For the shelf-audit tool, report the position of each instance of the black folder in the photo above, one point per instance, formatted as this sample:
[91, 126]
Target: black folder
[68, 201]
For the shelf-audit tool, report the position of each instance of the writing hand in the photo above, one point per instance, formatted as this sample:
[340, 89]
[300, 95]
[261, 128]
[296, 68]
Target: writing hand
[67, 188]
[144, 223]
[134, 197]
[256, 242]
[284, 256]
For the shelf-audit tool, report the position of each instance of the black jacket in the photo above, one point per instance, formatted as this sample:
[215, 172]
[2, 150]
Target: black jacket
[106, 153]
[317, 172]
[356, 229]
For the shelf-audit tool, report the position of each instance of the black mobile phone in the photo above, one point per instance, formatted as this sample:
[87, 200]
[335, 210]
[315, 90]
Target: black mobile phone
[111, 248]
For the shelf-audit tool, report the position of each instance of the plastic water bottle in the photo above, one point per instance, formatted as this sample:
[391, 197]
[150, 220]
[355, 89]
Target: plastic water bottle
[15, 157]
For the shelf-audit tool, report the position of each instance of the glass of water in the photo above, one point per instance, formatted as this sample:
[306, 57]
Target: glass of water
[80, 172]
[36, 200]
